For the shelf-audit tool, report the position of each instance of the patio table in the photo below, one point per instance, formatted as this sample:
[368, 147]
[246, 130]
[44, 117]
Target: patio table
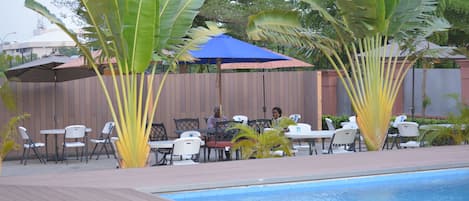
[57, 132]
[311, 135]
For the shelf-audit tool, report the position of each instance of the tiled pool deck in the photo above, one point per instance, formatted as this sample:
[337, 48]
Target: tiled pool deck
[137, 184]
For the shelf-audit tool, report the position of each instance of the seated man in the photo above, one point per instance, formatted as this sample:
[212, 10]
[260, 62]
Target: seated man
[216, 117]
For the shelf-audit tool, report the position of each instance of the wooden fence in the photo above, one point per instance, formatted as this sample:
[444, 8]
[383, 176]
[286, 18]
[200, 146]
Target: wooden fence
[183, 96]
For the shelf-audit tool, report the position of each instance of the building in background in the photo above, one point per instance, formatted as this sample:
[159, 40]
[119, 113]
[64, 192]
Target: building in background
[47, 42]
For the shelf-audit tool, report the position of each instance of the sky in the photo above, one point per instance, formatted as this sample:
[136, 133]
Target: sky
[14, 17]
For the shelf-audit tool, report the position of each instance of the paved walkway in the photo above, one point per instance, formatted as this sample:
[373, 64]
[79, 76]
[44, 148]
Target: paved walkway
[141, 183]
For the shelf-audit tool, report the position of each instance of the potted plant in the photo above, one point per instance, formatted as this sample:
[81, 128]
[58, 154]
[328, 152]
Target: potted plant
[262, 145]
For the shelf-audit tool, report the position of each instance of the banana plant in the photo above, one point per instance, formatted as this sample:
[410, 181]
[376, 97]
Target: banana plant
[372, 75]
[133, 35]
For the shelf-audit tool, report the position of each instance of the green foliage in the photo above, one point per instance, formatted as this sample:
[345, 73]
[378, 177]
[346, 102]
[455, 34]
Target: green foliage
[7, 134]
[454, 135]
[68, 51]
[426, 102]
[255, 145]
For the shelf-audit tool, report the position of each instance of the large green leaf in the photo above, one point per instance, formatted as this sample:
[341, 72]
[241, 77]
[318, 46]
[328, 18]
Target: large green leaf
[176, 18]
[139, 17]
[412, 19]
[363, 17]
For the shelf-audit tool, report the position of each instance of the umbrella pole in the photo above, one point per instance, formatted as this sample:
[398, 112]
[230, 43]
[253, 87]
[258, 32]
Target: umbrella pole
[55, 101]
[219, 86]
[412, 108]
[264, 109]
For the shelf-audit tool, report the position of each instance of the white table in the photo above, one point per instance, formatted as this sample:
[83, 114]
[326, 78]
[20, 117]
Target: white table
[165, 144]
[310, 136]
[435, 126]
[57, 132]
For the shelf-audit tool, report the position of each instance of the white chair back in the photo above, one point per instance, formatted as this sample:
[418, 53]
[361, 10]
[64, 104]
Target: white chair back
[295, 117]
[352, 119]
[299, 128]
[408, 129]
[186, 146]
[108, 128]
[241, 118]
[187, 134]
[23, 132]
[399, 119]
[329, 124]
[75, 131]
[344, 136]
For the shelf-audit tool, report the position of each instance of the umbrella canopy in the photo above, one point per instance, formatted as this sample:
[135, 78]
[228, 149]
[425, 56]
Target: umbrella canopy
[42, 70]
[291, 63]
[231, 50]
[225, 49]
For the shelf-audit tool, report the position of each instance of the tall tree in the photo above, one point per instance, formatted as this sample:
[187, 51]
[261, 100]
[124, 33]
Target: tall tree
[370, 79]
[136, 34]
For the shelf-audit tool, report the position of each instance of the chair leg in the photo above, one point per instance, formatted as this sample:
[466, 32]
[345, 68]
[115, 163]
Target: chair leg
[37, 154]
[64, 157]
[105, 149]
[100, 151]
[22, 158]
[27, 156]
[94, 149]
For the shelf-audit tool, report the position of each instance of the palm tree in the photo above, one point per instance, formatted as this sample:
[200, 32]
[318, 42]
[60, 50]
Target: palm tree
[370, 79]
[137, 34]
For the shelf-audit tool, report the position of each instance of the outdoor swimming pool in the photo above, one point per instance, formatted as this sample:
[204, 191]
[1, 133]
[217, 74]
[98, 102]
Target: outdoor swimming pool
[440, 185]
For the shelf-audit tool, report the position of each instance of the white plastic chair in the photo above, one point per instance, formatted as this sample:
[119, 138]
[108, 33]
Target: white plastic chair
[29, 144]
[295, 117]
[104, 140]
[329, 124]
[409, 130]
[241, 118]
[75, 137]
[182, 148]
[190, 134]
[343, 141]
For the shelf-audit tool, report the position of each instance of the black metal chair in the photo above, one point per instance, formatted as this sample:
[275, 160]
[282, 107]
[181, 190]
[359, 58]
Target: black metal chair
[221, 139]
[260, 124]
[158, 133]
[187, 124]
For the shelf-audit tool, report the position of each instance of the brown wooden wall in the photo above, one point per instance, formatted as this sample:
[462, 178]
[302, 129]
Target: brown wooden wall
[184, 95]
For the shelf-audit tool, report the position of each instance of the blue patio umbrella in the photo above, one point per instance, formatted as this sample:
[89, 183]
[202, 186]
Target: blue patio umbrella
[226, 49]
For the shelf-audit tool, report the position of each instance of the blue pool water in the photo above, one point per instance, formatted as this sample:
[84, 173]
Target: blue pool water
[441, 185]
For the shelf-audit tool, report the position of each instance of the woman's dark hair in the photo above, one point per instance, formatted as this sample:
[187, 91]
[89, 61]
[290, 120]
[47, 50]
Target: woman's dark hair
[278, 110]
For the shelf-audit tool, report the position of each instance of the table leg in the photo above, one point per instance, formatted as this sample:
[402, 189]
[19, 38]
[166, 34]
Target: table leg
[56, 149]
[47, 150]
[322, 139]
